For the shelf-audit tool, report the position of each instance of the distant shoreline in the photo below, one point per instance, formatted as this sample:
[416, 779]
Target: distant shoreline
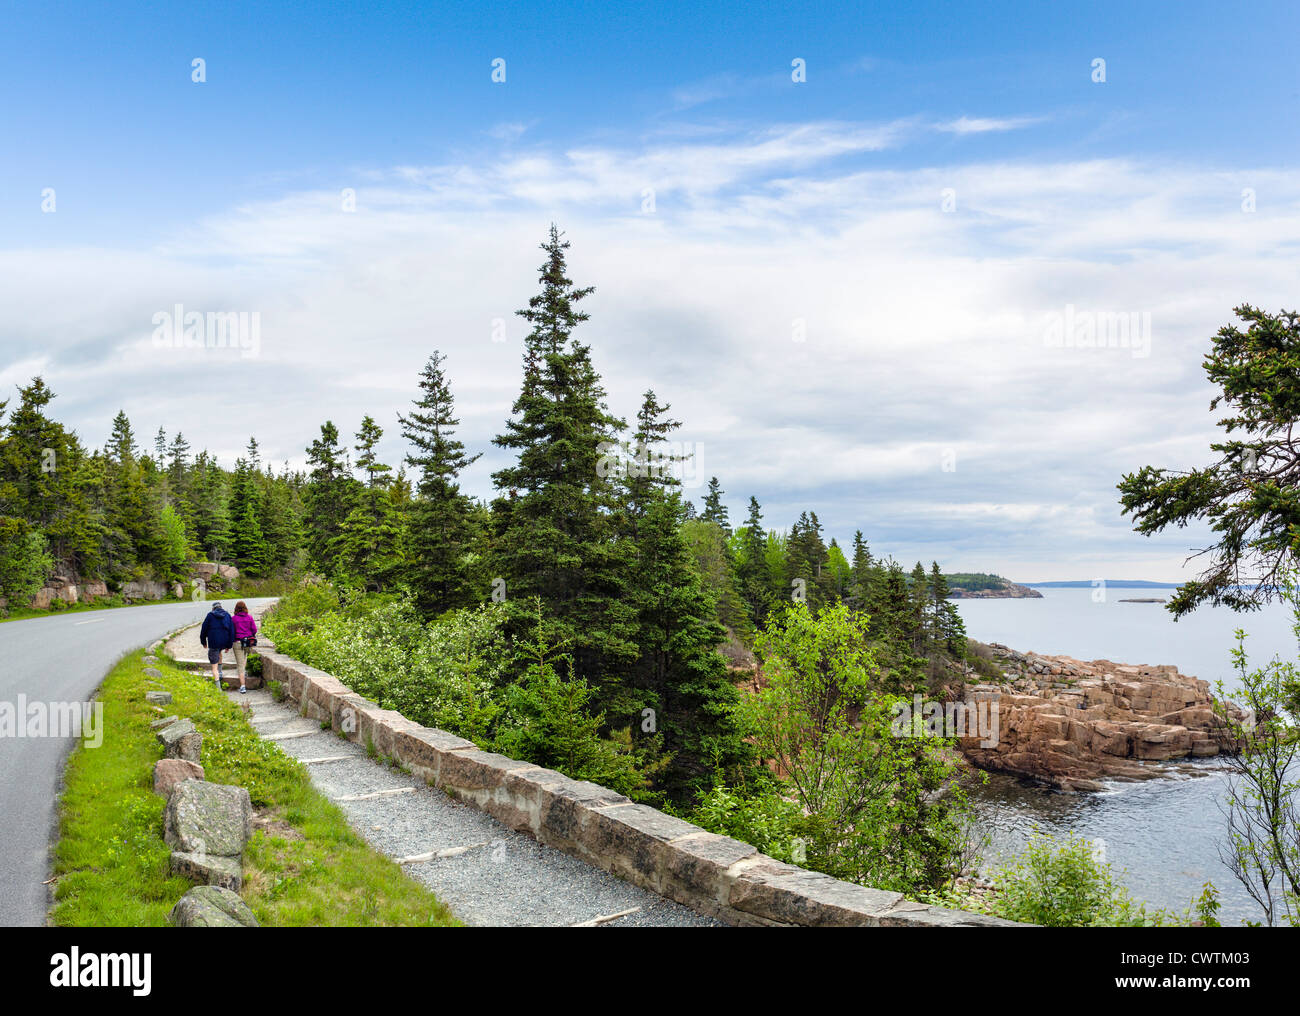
[1108, 583]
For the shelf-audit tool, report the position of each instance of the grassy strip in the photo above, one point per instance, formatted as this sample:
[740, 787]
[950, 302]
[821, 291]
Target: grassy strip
[303, 867]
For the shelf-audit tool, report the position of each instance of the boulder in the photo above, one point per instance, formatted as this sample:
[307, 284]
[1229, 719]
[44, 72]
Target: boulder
[208, 869]
[91, 590]
[208, 818]
[228, 572]
[159, 724]
[144, 589]
[181, 740]
[209, 906]
[158, 698]
[203, 570]
[168, 772]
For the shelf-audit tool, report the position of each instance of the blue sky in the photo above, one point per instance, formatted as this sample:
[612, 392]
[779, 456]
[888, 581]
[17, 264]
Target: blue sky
[305, 93]
[774, 201]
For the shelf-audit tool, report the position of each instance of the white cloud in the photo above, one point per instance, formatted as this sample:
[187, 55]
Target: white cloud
[987, 124]
[923, 329]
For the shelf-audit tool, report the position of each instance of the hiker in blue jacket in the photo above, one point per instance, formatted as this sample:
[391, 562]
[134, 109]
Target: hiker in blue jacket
[217, 635]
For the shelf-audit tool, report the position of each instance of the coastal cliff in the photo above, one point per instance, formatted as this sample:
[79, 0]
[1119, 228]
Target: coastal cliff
[1071, 723]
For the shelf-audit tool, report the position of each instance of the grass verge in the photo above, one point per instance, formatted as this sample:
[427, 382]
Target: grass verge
[304, 865]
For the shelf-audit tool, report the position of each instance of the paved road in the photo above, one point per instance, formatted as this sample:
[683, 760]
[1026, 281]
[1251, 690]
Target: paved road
[61, 658]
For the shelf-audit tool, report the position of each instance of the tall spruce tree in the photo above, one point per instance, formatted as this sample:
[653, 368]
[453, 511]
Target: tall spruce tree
[555, 519]
[714, 510]
[861, 574]
[329, 498]
[948, 629]
[755, 584]
[440, 529]
[211, 515]
[247, 541]
[682, 702]
[376, 472]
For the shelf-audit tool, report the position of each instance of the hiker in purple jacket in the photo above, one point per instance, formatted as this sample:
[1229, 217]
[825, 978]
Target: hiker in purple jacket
[245, 632]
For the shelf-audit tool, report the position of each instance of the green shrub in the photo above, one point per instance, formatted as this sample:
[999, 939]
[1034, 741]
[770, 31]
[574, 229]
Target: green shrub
[765, 820]
[1062, 884]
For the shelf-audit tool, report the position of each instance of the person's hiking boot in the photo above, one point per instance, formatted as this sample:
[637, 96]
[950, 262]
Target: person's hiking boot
[243, 690]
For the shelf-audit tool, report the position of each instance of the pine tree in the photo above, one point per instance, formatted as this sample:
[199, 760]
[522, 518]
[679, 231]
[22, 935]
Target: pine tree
[650, 468]
[714, 509]
[919, 588]
[134, 521]
[678, 700]
[860, 590]
[892, 627]
[211, 504]
[178, 459]
[121, 445]
[755, 585]
[376, 472]
[555, 520]
[281, 522]
[949, 631]
[329, 498]
[440, 531]
[247, 541]
[43, 481]
[680, 673]
[806, 558]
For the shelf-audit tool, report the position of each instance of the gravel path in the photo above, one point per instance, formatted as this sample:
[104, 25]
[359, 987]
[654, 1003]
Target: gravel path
[488, 874]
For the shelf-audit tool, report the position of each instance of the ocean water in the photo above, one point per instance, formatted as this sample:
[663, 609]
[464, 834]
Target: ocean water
[1069, 622]
[1161, 837]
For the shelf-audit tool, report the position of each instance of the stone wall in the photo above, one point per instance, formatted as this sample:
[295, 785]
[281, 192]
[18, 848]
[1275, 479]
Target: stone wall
[712, 874]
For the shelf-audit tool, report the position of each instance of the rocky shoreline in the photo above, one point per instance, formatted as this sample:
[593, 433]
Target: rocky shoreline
[1073, 723]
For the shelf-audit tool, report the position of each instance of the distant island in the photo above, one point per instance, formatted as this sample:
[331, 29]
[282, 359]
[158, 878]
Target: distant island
[982, 586]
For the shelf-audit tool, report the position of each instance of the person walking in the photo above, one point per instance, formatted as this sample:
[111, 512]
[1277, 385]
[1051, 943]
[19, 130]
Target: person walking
[245, 639]
[217, 635]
